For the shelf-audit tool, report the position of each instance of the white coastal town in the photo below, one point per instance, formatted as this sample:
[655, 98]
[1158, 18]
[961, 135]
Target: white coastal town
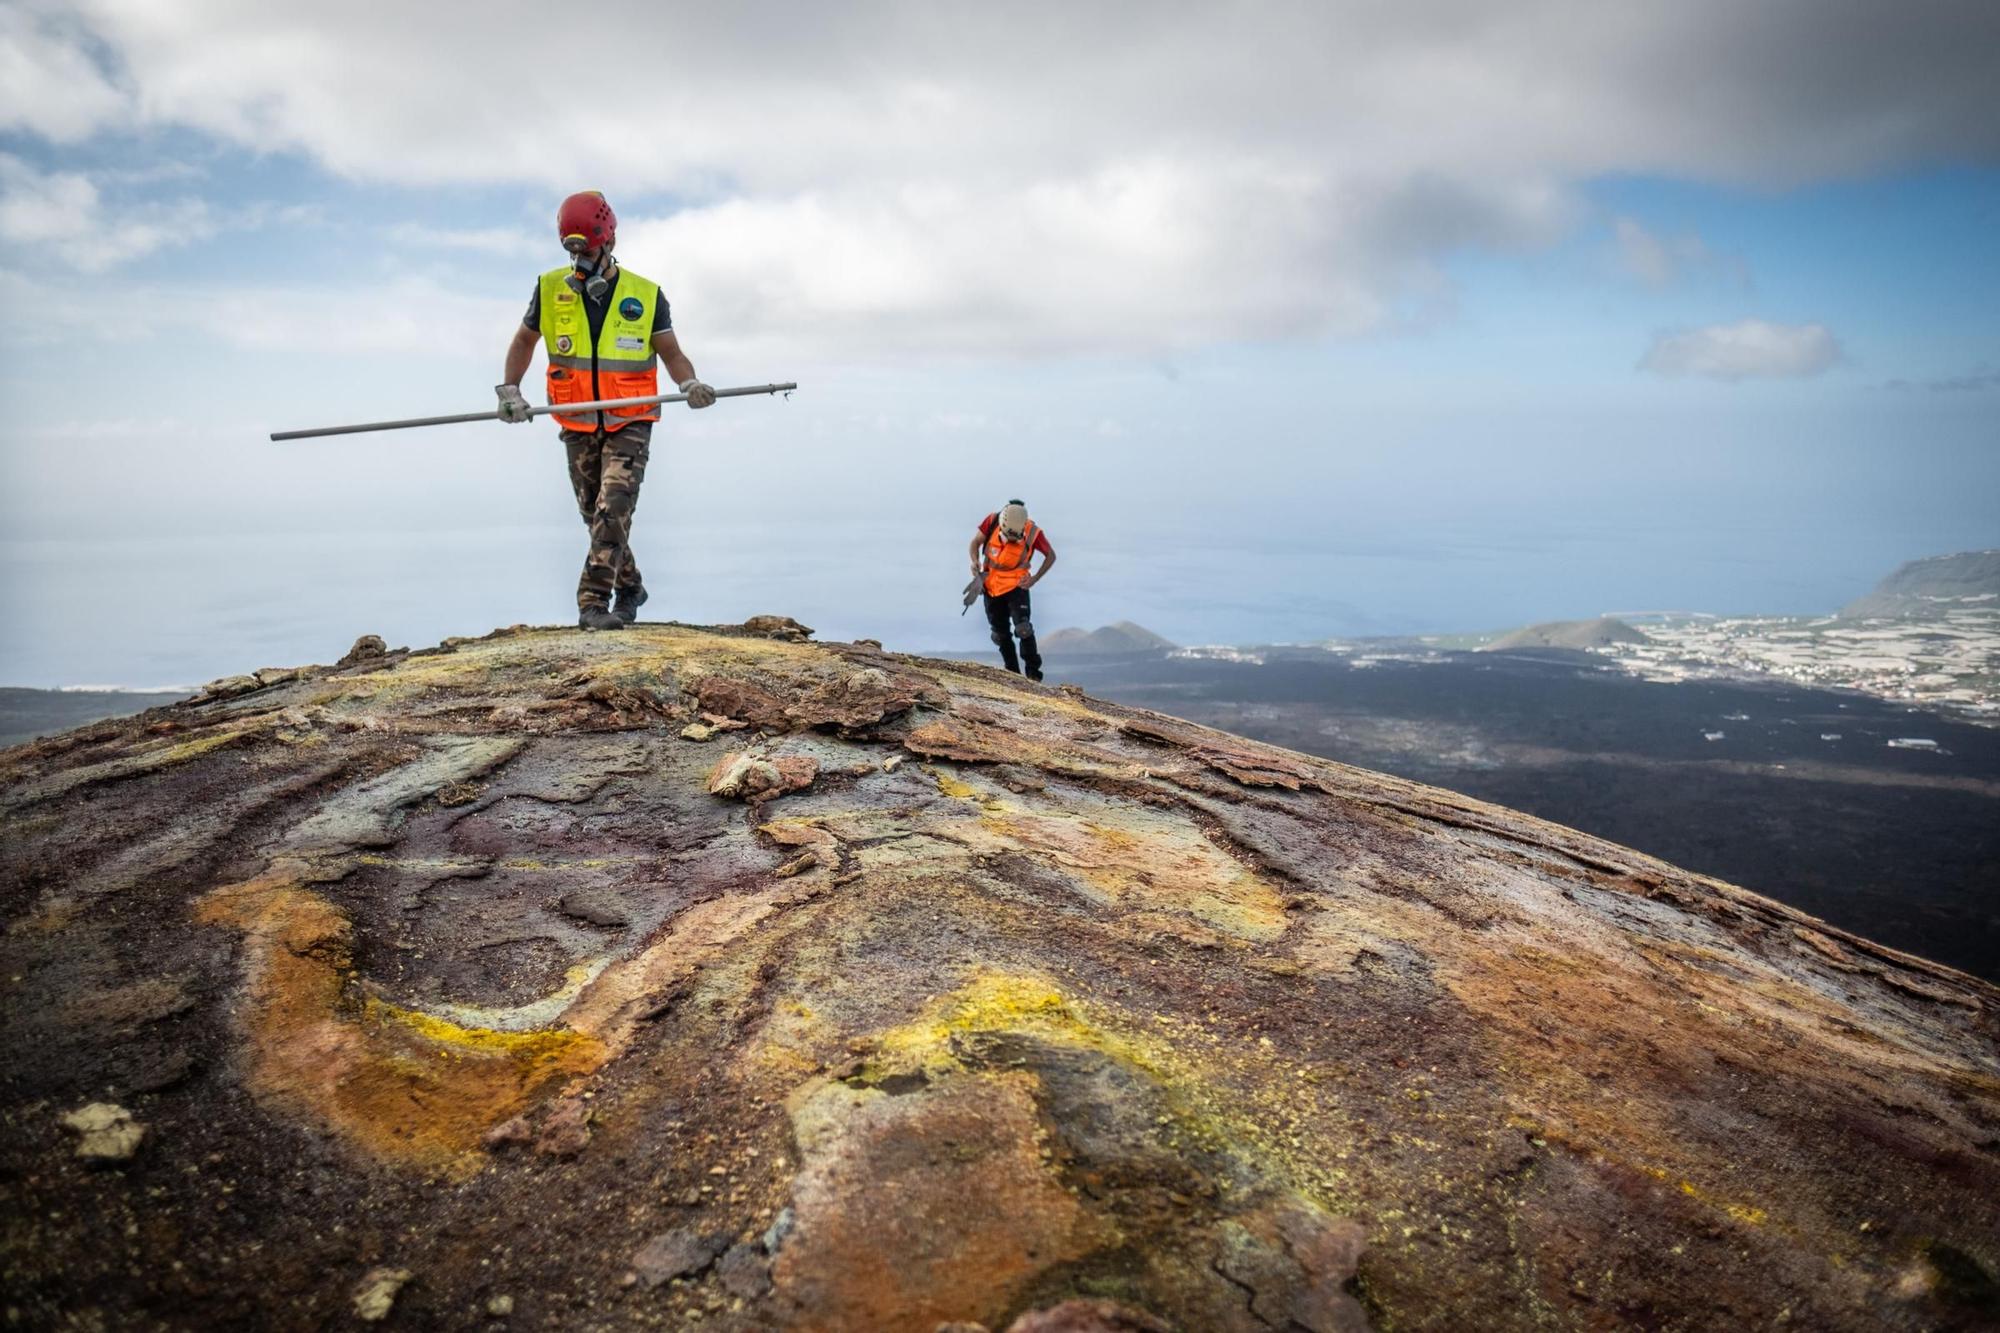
[1948, 660]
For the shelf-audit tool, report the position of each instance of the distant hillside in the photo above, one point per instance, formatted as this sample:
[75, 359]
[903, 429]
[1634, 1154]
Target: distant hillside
[1123, 637]
[1968, 580]
[1599, 633]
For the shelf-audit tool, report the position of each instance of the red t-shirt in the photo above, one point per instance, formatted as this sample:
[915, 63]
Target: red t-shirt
[991, 521]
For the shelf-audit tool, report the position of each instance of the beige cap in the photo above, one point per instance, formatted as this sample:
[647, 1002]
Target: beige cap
[1014, 519]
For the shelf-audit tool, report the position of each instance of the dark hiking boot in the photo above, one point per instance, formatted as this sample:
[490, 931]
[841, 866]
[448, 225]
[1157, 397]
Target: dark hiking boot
[626, 605]
[596, 617]
[1035, 674]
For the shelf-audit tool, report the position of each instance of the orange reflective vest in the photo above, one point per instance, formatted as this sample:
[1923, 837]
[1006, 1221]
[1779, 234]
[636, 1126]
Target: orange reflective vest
[1007, 560]
[620, 363]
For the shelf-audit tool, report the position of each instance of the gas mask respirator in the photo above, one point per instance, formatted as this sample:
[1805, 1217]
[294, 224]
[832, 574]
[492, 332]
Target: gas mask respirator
[589, 277]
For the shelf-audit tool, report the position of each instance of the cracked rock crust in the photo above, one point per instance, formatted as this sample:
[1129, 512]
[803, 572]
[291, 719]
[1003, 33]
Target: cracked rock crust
[624, 978]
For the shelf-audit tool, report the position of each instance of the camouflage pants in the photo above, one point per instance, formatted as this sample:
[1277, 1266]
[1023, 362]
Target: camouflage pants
[605, 470]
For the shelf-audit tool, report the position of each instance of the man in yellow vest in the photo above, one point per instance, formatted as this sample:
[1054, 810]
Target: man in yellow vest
[1001, 550]
[606, 330]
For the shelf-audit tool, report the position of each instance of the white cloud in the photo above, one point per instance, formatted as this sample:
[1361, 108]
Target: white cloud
[1747, 349]
[91, 222]
[1045, 178]
[63, 214]
[411, 316]
[49, 85]
[414, 316]
[771, 97]
[504, 242]
[1140, 257]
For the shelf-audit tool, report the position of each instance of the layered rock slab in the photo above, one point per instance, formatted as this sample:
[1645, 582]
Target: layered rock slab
[637, 977]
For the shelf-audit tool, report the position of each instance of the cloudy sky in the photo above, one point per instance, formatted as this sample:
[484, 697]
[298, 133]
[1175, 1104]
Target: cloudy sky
[1288, 320]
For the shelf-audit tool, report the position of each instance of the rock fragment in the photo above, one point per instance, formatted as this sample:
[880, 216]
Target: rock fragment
[565, 1130]
[376, 1295]
[710, 725]
[366, 648]
[820, 846]
[962, 741]
[509, 1134]
[673, 1254]
[106, 1132]
[741, 701]
[777, 627]
[740, 774]
[1328, 1249]
[629, 704]
[743, 775]
[857, 700]
[745, 1272]
[499, 1307]
[1295, 1262]
[226, 688]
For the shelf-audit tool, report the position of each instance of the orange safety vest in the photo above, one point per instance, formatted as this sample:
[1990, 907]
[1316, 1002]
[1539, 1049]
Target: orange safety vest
[1007, 561]
[621, 364]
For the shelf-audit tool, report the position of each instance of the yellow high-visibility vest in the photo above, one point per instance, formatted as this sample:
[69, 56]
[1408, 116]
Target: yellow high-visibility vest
[621, 364]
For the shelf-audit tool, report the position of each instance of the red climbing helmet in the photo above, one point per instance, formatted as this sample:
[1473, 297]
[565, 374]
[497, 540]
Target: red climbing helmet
[586, 222]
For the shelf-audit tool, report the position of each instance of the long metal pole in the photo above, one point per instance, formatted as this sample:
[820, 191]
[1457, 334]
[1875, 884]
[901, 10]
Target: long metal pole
[567, 409]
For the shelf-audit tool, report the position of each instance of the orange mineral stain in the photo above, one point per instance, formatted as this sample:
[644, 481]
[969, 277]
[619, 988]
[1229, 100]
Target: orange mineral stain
[396, 1083]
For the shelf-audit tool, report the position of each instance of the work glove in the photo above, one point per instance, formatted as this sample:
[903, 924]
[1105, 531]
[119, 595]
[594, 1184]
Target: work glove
[513, 407]
[698, 394]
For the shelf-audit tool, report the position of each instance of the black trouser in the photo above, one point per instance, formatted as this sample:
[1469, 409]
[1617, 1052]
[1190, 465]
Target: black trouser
[1010, 611]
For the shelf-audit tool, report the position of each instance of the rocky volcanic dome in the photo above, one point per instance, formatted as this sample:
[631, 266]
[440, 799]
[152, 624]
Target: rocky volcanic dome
[716, 977]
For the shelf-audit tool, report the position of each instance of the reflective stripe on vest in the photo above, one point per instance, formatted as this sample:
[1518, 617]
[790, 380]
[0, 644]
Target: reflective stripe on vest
[1007, 562]
[621, 365]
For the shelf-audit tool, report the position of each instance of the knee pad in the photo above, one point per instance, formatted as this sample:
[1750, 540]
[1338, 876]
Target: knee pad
[999, 638]
[1024, 629]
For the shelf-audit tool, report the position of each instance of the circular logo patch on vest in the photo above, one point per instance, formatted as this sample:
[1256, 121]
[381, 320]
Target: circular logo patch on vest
[563, 343]
[631, 307]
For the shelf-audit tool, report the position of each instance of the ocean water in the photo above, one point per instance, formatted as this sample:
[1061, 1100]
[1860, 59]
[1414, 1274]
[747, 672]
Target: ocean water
[1228, 513]
[149, 611]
